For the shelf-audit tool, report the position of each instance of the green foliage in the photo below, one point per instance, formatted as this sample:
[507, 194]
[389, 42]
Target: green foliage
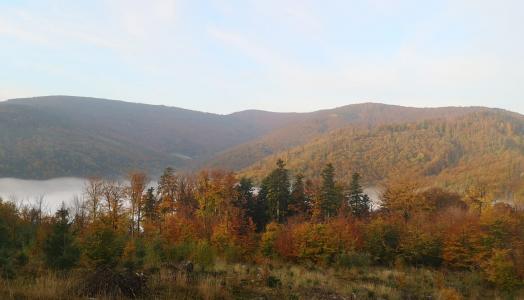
[155, 252]
[359, 203]
[353, 259]
[275, 191]
[255, 208]
[103, 247]
[500, 270]
[181, 251]
[60, 248]
[134, 254]
[151, 204]
[204, 255]
[299, 203]
[382, 241]
[330, 197]
[267, 243]
[14, 238]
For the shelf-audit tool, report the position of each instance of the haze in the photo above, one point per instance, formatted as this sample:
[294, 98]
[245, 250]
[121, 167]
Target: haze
[53, 192]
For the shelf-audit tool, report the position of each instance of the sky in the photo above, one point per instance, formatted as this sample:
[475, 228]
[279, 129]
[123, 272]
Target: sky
[224, 56]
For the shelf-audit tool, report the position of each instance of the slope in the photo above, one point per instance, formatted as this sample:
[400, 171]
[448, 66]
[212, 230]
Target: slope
[52, 136]
[313, 125]
[484, 148]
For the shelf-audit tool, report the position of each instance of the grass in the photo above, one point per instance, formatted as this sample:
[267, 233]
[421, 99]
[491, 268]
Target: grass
[275, 281]
[46, 286]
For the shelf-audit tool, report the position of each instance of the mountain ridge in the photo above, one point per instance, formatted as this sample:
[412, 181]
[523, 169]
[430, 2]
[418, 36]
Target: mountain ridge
[56, 136]
[321, 122]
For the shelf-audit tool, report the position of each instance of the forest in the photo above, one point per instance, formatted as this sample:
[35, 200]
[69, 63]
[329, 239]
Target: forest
[217, 235]
[483, 148]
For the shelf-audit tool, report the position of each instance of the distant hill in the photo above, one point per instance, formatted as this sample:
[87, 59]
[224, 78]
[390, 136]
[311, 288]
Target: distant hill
[315, 124]
[57, 136]
[52, 136]
[485, 147]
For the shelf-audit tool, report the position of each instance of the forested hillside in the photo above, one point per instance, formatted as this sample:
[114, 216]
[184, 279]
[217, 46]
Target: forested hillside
[316, 124]
[485, 148]
[72, 136]
[295, 225]
[57, 136]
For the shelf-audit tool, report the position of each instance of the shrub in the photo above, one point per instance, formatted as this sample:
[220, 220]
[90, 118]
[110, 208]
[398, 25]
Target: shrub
[312, 243]
[353, 259]
[381, 241]
[500, 271]
[419, 247]
[269, 237]
[204, 255]
[103, 247]
[60, 247]
[134, 254]
[182, 251]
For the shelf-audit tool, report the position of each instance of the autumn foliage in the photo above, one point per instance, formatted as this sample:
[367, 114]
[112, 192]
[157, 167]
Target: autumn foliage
[321, 222]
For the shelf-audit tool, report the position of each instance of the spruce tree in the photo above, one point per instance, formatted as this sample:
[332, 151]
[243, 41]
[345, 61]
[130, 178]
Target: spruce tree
[167, 190]
[275, 191]
[329, 195]
[245, 197]
[299, 202]
[248, 203]
[358, 201]
[260, 210]
[60, 250]
[150, 205]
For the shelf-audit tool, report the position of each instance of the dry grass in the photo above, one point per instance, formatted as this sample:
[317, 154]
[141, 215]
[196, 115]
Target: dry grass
[276, 281]
[46, 286]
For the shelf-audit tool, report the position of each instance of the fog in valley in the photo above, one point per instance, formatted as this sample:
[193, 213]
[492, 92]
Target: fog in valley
[53, 191]
[58, 190]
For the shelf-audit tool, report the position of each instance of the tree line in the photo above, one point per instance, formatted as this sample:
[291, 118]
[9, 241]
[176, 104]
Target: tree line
[213, 214]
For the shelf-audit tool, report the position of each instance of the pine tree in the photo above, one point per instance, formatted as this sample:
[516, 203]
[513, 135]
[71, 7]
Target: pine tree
[329, 195]
[358, 202]
[60, 249]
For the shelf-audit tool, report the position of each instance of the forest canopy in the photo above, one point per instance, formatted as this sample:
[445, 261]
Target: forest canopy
[125, 234]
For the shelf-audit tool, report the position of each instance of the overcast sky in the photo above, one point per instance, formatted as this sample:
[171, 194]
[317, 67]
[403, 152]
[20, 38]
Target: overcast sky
[223, 56]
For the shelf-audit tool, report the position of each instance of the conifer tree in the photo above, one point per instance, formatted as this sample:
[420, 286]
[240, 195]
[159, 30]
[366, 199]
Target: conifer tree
[298, 202]
[246, 201]
[358, 201]
[150, 205]
[167, 190]
[60, 249]
[275, 191]
[245, 197]
[329, 195]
